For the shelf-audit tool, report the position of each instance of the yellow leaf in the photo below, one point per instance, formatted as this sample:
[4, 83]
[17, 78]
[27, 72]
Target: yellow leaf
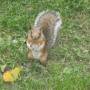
[7, 77]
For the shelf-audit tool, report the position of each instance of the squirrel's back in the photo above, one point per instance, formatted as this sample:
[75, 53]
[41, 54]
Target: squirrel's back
[50, 23]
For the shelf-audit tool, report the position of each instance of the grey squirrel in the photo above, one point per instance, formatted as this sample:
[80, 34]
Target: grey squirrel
[43, 35]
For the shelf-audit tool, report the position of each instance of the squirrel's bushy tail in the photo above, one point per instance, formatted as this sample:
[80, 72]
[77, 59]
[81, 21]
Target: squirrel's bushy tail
[57, 25]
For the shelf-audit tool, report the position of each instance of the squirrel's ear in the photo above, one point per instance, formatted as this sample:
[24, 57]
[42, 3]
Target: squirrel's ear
[29, 33]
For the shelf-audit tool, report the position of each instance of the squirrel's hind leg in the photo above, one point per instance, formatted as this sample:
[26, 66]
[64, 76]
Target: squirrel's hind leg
[30, 56]
[43, 58]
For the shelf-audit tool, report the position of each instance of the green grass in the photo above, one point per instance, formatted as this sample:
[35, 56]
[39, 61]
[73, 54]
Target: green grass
[68, 65]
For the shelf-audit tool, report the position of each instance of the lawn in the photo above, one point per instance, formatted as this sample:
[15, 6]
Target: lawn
[68, 66]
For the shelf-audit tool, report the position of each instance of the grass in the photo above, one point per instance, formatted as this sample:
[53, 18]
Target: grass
[68, 65]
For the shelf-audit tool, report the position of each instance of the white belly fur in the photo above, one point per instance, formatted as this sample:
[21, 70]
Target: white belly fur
[35, 50]
[36, 55]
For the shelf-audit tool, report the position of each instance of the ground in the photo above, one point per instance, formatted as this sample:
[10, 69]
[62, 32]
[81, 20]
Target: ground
[68, 66]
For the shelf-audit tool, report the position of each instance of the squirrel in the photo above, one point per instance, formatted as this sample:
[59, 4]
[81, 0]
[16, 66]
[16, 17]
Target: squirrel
[43, 35]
